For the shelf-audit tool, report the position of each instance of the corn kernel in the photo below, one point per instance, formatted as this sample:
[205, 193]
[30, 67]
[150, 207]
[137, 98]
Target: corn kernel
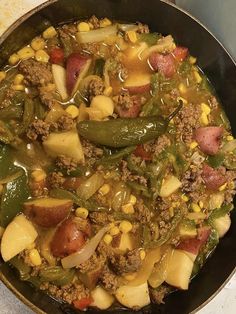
[108, 91]
[50, 32]
[204, 119]
[114, 231]
[125, 226]
[35, 257]
[222, 187]
[195, 207]
[201, 204]
[14, 59]
[38, 175]
[105, 189]
[229, 138]
[197, 76]
[38, 43]
[18, 79]
[130, 276]
[128, 208]
[205, 108]
[183, 100]
[184, 198]
[171, 211]
[142, 254]
[107, 239]
[18, 87]
[132, 199]
[1, 231]
[192, 60]
[83, 27]
[2, 75]
[193, 145]
[41, 56]
[73, 111]
[26, 53]
[132, 36]
[50, 87]
[105, 22]
[1, 188]
[81, 212]
[182, 88]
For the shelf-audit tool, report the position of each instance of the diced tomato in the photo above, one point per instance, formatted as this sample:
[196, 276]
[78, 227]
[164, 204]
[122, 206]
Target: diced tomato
[141, 152]
[163, 63]
[82, 303]
[180, 53]
[56, 55]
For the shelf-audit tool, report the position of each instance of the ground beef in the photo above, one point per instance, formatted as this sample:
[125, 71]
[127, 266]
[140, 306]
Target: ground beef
[68, 293]
[38, 129]
[116, 69]
[157, 295]
[7, 100]
[65, 123]
[100, 218]
[186, 122]
[109, 280]
[127, 175]
[66, 163]
[105, 250]
[67, 38]
[94, 262]
[94, 21]
[90, 150]
[192, 179]
[142, 213]
[95, 87]
[124, 100]
[160, 144]
[142, 28]
[47, 97]
[128, 263]
[35, 72]
[55, 179]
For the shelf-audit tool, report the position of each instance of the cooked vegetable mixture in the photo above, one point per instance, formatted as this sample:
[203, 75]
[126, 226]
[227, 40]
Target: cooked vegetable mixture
[117, 165]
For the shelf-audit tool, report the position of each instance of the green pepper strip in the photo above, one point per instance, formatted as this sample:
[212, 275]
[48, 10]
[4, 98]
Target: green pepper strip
[22, 268]
[91, 205]
[116, 157]
[6, 135]
[27, 116]
[11, 112]
[57, 275]
[125, 131]
[98, 67]
[163, 239]
[139, 188]
[219, 212]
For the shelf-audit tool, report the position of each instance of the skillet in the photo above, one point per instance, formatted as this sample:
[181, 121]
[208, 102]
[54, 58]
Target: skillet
[220, 68]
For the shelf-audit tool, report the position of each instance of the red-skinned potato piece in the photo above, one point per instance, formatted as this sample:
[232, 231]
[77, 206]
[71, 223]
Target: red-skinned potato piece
[193, 245]
[138, 83]
[72, 183]
[165, 64]
[209, 138]
[131, 112]
[213, 178]
[67, 239]
[75, 65]
[141, 152]
[47, 212]
[180, 53]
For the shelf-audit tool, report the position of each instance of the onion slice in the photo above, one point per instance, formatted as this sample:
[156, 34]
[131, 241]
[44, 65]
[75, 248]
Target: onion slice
[86, 252]
[229, 147]
[96, 35]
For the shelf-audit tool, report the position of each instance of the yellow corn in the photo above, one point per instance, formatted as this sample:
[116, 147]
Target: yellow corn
[204, 119]
[41, 56]
[81, 212]
[38, 43]
[132, 36]
[193, 145]
[130, 276]
[83, 27]
[205, 108]
[132, 199]
[26, 53]
[201, 204]
[184, 198]
[35, 257]
[197, 76]
[1, 231]
[18, 87]
[18, 79]
[128, 208]
[14, 59]
[192, 60]
[142, 254]
[108, 91]
[50, 32]
[222, 187]
[183, 100]
[229, 138]
[1, 188]
[50, 87]
[231, 185]
[195, 207]
[105, 189]
[105, 22]
[114, 231]
[2, 75]
[73, 111]
[182, 88]
[107, 239]
[125, 226]
[38, 175]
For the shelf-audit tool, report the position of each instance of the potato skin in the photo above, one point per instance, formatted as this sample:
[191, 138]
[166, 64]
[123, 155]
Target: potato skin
[67, 239]
[46, 215]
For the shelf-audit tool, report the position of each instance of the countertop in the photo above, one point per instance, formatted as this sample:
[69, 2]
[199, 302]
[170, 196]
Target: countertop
[225, 301]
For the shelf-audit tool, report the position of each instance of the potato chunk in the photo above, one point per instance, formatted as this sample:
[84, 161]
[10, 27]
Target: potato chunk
[18, 235]
[47, 212]
[101, 298]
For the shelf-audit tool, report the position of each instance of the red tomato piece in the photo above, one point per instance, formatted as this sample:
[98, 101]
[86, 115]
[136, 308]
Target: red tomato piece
[180, 53]
[56, 55]
[141, 152]
[82, 303]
